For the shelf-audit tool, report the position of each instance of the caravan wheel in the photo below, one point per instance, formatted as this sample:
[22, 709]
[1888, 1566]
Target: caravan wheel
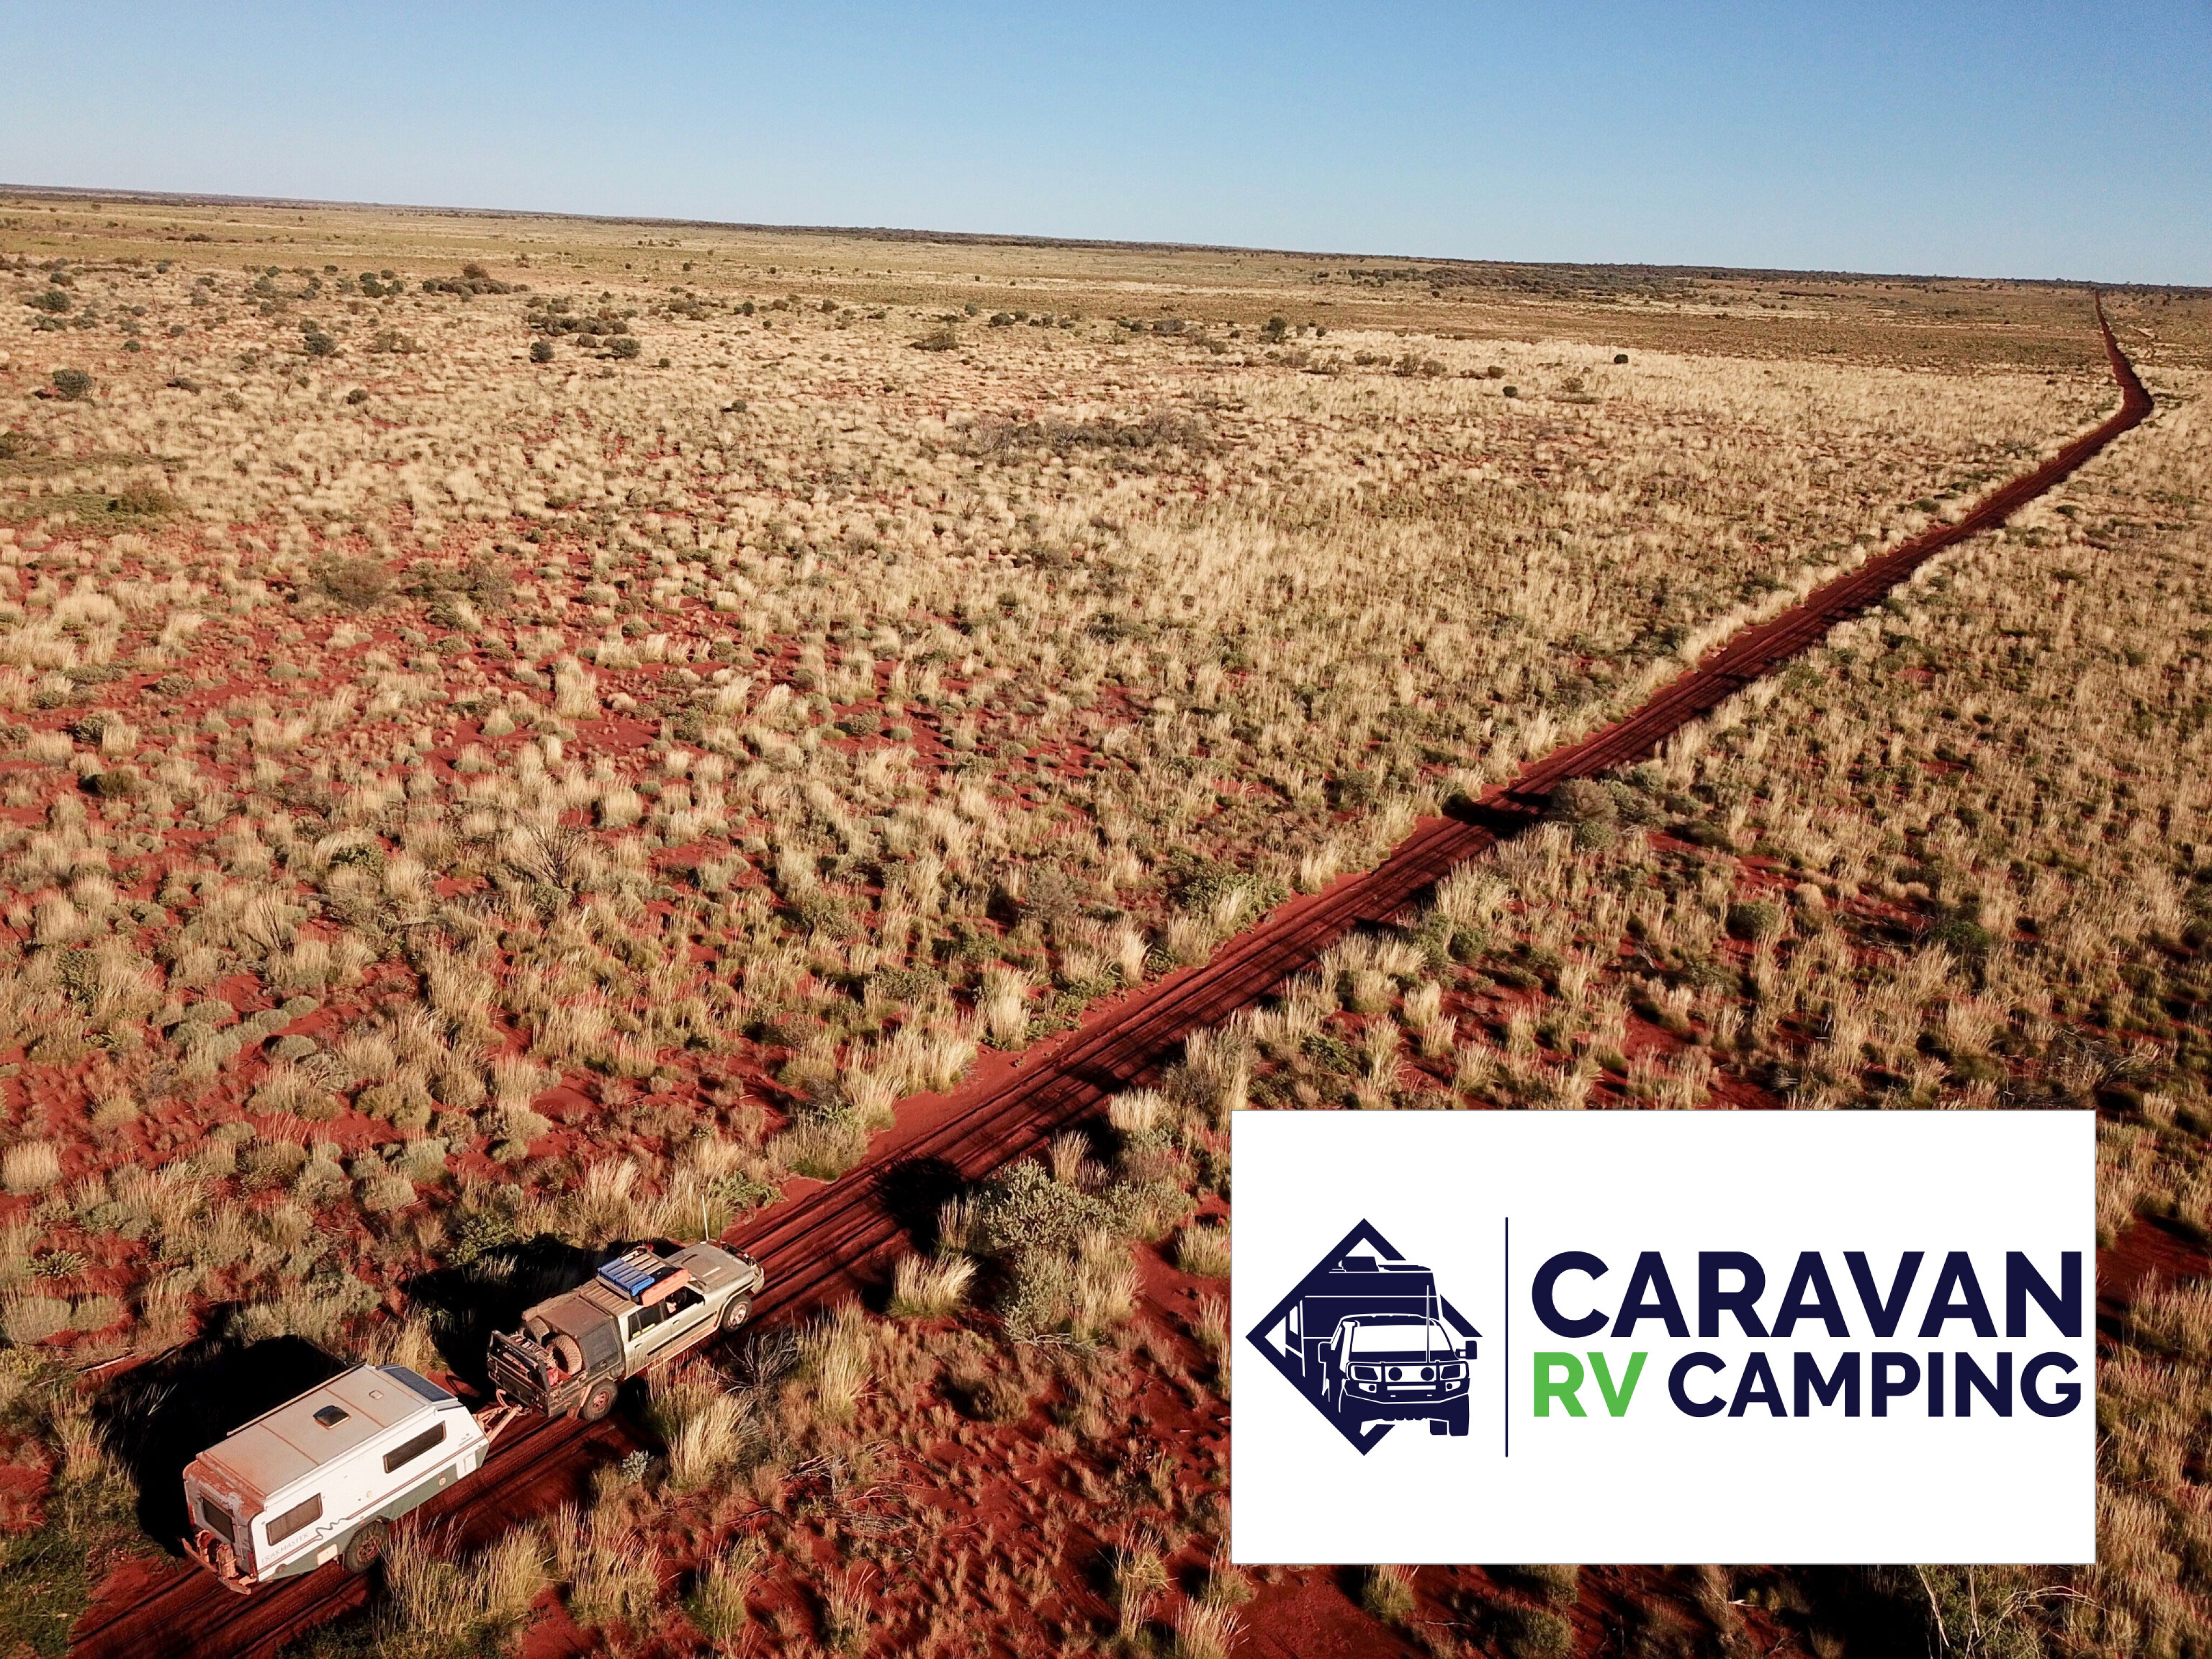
[365, 1547]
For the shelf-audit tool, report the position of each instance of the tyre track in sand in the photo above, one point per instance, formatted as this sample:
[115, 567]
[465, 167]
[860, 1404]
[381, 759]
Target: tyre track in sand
[825, 1241]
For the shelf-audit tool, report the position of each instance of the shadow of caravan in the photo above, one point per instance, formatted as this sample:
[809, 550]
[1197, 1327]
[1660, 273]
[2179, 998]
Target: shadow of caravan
[1368, 1338]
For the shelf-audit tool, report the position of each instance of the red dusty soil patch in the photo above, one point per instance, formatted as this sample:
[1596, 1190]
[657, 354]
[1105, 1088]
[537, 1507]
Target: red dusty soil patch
[2146, 1254]
[1310, 1615]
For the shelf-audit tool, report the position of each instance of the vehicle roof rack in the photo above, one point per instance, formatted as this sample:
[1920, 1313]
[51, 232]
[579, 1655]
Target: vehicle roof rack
[643, 1276]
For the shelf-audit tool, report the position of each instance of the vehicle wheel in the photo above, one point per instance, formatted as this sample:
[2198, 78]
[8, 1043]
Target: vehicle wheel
[1457, 1423]
[597, 1402]
[365, 1547]
[739, 1310]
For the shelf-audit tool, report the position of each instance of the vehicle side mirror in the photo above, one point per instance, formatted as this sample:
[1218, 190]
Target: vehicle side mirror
[1470, 1351]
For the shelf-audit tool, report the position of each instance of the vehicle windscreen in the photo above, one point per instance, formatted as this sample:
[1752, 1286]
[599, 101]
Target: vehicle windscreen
[1399, 1337]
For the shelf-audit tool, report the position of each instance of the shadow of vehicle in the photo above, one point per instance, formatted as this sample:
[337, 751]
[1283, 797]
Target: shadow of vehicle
[912, 1190]
[467, 1301]
[157, 1418]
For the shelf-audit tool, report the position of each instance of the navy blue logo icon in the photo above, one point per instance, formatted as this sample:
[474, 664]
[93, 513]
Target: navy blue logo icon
[1367, 1337]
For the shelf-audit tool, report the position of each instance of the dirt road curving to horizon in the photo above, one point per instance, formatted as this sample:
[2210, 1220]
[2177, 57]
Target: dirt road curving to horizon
[823, 1242]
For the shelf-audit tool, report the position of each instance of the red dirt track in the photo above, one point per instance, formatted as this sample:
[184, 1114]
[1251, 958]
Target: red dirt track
[829, 1241]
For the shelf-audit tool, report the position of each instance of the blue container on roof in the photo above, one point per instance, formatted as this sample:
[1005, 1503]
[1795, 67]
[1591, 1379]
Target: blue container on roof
[634, 1275]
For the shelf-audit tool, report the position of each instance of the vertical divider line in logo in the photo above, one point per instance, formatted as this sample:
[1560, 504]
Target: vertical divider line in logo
[1505, 1389]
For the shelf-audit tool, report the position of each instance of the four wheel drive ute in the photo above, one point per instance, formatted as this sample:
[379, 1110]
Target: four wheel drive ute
[575, 1350]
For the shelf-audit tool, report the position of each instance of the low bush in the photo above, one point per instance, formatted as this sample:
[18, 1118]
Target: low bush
[359, 584]
[717, 1602]
[1386, 1592]
[1204, 1251]
[1754, 919]
[925, 1289]
[31, 1166]
[445, 1609]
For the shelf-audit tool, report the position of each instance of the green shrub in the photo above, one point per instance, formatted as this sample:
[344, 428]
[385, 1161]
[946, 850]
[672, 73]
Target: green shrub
[1534, 1633]
[1755, 920]
[72, 384]
[381, 1194]
[1027, 1209]
[1204, 1252]
[1561, 1586]
[357, 584]
[625, 345]
[1386, 1592]
[541, 351]
[1589, 807]
[1963, 936]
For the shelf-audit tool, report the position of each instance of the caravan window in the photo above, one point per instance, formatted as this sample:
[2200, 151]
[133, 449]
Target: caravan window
[407, 1452]
[218, 1520]
[299, 1515]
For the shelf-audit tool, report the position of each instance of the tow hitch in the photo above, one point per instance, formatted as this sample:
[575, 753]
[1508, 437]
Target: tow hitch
[495, 1417]
[219, 1558]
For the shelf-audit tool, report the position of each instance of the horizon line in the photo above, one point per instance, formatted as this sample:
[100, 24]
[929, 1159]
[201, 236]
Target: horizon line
[1013, 239]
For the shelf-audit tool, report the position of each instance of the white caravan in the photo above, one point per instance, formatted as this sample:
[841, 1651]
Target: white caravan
[322, 1477]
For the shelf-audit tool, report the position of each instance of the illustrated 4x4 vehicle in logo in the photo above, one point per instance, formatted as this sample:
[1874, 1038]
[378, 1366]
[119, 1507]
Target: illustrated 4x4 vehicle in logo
[1367, 1337]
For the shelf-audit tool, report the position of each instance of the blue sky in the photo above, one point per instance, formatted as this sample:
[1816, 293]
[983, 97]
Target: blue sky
[2027, 139]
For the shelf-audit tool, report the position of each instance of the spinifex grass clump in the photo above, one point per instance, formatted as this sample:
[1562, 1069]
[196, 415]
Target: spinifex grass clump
[923, 1289]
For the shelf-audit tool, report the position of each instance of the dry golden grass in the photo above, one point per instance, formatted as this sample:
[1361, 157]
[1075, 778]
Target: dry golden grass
[717, 1604]
[605, 1567]
[929, 1289]
[1206, 1630]
[1956, 858]
[1386, 1591]
[474, 772]
[1204, 1250]
[704, 1424]
[440, 1607]
[834, 1367]
[451, 798]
